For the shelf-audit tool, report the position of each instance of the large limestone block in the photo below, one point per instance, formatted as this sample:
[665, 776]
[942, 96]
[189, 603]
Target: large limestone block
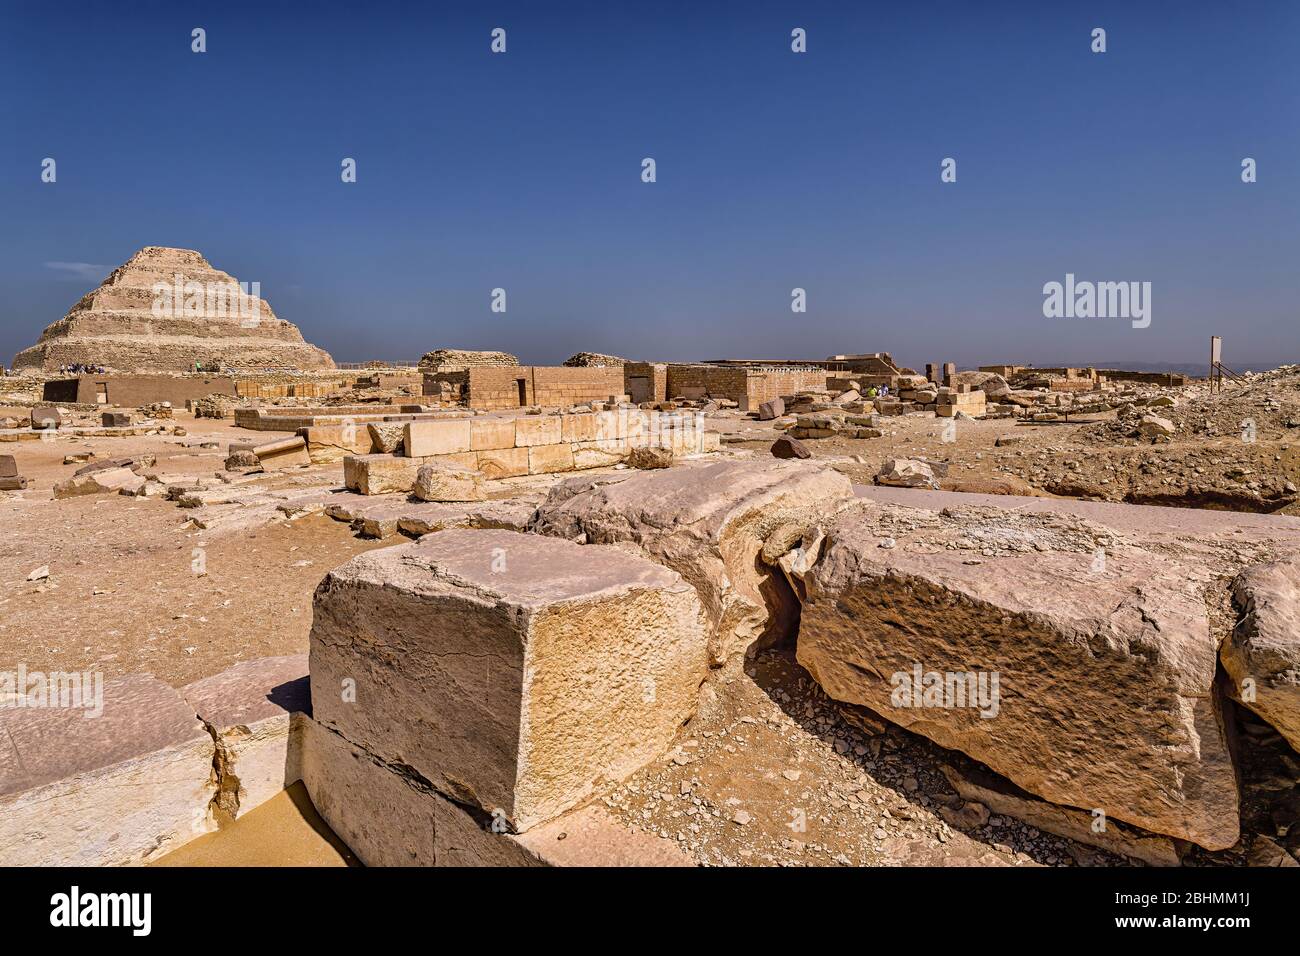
[533, 430]
[330, 443]
[390, 816]
[502, 462]
[1263, 655]
[249, 709]
[491, 434]
[547, 459]
[447, 437]
[439, 482]
[121, 787]
[709, 522]
[515, 672]
[380, 474]
[1105, 696]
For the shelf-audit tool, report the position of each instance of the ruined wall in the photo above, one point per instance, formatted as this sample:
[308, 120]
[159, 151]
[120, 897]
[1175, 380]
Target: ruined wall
[136, 390]
[748, 387]
[646, 381]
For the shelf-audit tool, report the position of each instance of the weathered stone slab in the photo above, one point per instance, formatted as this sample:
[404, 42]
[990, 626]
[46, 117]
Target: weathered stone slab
[547, 459]
[438, 482]
[101, 482]
[1105, 696]
[538, 430]
[1263, 655]
[120, 788]
[513, 671]
[709, 522]
[330, 443]
[447, 437]
[502, 462]
[248, 709]
[491, 434]
[380, 474]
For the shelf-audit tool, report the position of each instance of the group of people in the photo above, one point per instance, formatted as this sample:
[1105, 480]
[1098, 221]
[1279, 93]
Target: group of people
[81, 368]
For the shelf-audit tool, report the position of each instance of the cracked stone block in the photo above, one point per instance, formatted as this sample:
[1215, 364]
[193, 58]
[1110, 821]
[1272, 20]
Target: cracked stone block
[330, 443]
[709, 522]
[1106, 697]
[516, 673]
[390, 816]
[1263, 655]
[249, 709]
[121, 788]
[502, 462]
[380, 474]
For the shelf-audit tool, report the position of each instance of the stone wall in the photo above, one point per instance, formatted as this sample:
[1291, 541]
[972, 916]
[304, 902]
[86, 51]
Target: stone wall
[516, 386]
[130, 391]
[747, 386]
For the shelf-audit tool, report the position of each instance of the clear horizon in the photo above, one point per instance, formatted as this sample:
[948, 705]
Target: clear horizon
[775, 170]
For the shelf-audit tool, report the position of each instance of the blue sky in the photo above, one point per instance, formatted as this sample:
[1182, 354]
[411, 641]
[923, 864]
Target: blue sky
[775, 170]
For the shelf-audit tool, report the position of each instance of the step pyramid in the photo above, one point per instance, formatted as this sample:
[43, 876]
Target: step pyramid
[164, 310]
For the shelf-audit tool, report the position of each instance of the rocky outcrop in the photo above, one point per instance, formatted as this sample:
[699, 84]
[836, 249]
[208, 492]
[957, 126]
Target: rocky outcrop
[720, 525]
[457, 360]
[165, 310]
[1263, 655]
[593, 360]
[1088, 682]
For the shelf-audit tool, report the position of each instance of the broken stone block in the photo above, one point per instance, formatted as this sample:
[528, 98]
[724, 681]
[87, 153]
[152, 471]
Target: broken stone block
[330, 443]
[599, 454]
[380, 474]
[1153, 426]
[386, 438]
[248, 709]
[1263, 655]
[436, 482]
[646, 457]
[709, 522]
[502, 462]
[787, 447]
[9, 477]
[1005, 798]
[119, 788]
[448, 437]
[102, 481]
[115, 419]
[770, 410]
[1093, 689]
[389, 815]
[241, 461]
[514, 672]
[906, 473]
[286, 453]
[46, 416]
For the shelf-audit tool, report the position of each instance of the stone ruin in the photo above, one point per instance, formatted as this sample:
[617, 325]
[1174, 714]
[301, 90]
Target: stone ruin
[166, 310]
[470, 697]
